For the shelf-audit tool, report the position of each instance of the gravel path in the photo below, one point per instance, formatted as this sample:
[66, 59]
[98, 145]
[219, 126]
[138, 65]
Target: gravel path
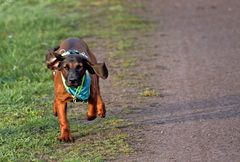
[193, 58]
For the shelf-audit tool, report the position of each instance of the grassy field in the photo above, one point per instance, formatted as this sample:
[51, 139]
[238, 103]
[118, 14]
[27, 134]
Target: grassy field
[28, 129]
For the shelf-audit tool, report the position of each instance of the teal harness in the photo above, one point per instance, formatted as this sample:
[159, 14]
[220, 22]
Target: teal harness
[82, 92]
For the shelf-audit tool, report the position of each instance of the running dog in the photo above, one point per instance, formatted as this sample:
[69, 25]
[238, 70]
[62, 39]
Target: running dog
[76, 75]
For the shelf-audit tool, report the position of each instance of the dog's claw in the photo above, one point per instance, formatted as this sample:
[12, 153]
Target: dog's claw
[66, 139]
[101, 115]
[101, 110]
[66, 136]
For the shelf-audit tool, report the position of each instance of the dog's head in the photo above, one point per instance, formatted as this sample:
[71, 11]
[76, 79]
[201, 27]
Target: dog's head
[74, 66]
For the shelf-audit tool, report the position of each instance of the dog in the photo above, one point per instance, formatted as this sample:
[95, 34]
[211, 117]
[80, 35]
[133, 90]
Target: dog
[76, 73]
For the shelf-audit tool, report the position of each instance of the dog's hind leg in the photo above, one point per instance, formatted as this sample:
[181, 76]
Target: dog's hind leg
[101, 111]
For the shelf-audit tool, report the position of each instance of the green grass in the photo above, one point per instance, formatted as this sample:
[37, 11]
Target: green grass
[28, 130]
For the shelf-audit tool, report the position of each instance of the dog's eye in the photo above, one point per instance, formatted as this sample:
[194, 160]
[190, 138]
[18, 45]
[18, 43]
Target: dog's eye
[79, 67]
[66, 67]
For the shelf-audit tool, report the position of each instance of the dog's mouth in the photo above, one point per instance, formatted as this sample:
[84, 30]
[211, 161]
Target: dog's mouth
[73, 84]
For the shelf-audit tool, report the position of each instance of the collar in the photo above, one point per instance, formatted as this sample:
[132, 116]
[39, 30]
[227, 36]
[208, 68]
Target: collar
[82, 92]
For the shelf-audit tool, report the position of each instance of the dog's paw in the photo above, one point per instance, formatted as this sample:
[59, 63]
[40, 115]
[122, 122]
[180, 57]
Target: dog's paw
[102, 114]
[101, 111]
[65, 136]
[91, 117]
[66, 139]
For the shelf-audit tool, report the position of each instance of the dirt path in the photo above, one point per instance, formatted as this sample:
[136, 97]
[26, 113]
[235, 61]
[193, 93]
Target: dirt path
[192, 59]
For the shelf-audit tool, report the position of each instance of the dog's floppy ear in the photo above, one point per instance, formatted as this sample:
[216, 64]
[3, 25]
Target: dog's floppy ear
[99, 68]
[53, 59]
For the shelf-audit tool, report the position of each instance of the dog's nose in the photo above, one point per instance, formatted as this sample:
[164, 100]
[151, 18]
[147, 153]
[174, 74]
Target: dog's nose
[73, 80]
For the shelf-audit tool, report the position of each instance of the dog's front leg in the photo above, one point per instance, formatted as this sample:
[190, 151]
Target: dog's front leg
[92, 101]
[63, 122]
[92, 108]
[101, 111]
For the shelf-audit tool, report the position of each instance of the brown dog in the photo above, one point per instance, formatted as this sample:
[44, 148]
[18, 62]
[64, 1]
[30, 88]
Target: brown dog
[71, 63]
